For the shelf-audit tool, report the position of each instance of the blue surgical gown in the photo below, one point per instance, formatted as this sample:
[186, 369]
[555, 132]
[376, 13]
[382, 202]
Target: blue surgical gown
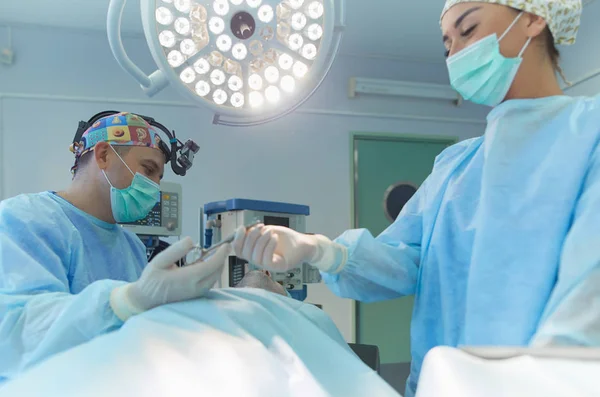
[497, 242]
[58, 266]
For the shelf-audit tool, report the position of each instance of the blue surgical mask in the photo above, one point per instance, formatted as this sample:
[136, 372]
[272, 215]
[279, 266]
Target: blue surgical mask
[481, 74]
[134, 202]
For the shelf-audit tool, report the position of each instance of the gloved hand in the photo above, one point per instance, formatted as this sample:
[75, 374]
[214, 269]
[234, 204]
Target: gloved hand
[164, 282]
[279, 249]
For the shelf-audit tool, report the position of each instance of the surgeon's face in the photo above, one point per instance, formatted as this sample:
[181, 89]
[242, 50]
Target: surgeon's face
[147, 161]
[467, 23]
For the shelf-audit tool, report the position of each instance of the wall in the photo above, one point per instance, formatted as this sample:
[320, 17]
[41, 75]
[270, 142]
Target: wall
[63, 76]
[583, 58]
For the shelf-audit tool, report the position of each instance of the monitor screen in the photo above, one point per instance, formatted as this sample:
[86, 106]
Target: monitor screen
[153, 218]
[277, 221]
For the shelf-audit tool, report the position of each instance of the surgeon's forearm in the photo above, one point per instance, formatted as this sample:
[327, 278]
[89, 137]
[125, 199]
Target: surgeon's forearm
[374, 271]
[35, 327]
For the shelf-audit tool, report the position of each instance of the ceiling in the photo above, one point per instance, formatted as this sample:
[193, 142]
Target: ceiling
[374, 27]
[402, 29]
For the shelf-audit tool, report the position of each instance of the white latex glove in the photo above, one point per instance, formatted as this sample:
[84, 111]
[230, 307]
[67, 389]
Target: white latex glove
[279, 249]
[164, 282]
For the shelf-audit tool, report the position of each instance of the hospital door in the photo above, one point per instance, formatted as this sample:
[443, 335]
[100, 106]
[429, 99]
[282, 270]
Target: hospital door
[387, 171]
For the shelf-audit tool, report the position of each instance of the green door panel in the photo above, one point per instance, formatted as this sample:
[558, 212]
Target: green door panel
[380, 163]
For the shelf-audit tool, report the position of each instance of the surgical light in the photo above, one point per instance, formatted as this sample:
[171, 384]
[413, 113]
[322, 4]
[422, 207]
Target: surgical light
[167, 38]
[224, 43]
[272, 94]
[300, 69]
[309, 51]
[316, 10]
[188, 75]
[183, 5]
[237, 100]
[202, 66]
[216, 25]
[272, 74]
[235, 83]
[298, 21]
[248, 61]
[288, 83]
[314, 32]
[255, 82]
[256, 99]
[217, 77]
[220, 96]
[265, 14]
[175, 58]
[202, 88]
[296, 3]
[286, 62]
[295, 41]
[254, 3]
[164, 16]
[188, 47]
[221, 7]
[183, 26]
[239, 51]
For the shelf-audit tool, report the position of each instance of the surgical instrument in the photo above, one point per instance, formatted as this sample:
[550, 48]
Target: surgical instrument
[203, 252]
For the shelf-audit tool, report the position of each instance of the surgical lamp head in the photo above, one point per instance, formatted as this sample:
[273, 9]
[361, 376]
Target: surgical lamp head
[248, 62]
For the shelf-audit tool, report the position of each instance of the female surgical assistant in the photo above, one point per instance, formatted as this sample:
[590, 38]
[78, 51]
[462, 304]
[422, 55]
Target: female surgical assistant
[500, 243]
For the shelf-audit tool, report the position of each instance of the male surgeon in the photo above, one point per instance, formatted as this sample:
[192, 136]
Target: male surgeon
[68, 272]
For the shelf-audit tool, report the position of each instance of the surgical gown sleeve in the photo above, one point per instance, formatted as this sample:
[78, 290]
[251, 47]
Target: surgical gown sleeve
[39, 317]
[572, 316]
[385, 267]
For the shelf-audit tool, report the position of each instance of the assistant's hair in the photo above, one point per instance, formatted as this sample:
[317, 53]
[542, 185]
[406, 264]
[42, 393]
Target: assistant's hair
[547, 41]
[553, 53]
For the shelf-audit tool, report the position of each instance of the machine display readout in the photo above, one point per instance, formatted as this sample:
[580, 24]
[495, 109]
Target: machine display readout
[277, 221]
[152, 219]
[165, 210]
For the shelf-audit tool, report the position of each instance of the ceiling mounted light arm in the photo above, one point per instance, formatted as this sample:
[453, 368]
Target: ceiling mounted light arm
[152, 84]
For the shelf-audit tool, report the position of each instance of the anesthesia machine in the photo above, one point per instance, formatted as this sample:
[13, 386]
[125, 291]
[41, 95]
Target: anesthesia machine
[223, 218]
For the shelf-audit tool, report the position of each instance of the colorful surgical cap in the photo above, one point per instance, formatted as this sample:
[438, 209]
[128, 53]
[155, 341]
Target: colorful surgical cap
[121, 129]
[562, 16]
